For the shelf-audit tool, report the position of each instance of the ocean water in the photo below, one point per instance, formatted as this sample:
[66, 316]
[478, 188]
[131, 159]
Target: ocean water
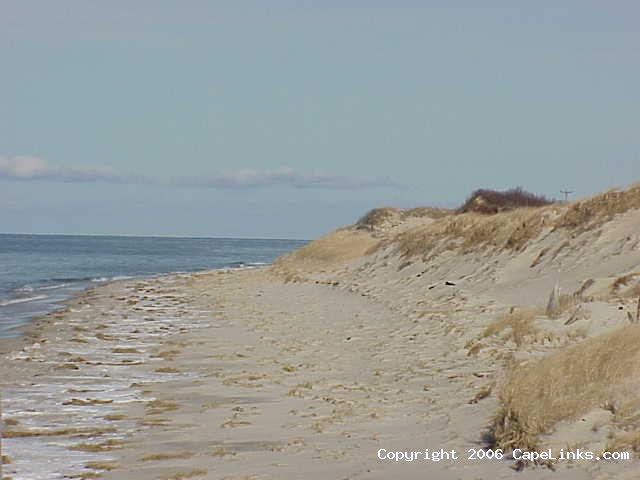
[37, 272]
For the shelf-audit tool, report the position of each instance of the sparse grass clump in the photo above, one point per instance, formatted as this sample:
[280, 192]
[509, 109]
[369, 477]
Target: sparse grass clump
[89, 401]
[420, 212]
[54, 432]
[67, 366]
[379, 217]
[166, 456]
[567, 384]
[105, 446]
[125, 350]
[161, 406]
[492, 201]
[483, 393]
[85, 475]
[167, 370]
[518, 326]
[187, 474]
[102, 465]
[115, 416]
[625, 441]
[166, 354]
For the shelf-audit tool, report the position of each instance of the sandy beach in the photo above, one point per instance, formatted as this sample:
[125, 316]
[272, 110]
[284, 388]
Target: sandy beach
[317, 366]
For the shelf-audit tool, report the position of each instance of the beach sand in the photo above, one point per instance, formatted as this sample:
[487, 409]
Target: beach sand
[233, 375]
[271, 373]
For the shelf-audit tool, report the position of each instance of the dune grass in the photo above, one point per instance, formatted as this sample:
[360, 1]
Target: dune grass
[594, 211]
[593, 373]
[516, 218]
[331, 250]
[469, 231]
[379, 217]
[517, 325]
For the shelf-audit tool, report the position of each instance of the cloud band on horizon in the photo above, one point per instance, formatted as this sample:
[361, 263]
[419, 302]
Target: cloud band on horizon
[28, 168]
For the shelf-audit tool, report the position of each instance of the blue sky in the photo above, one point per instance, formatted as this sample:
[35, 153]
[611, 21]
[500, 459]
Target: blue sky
[287, 119]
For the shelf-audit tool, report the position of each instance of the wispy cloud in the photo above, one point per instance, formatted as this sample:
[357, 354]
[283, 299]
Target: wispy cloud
[283, 176]
[34, 168]
[27, 168]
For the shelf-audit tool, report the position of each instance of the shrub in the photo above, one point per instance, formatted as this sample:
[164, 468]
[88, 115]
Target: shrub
[492, 201]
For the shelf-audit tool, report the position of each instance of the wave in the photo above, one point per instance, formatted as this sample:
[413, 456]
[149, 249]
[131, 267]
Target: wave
[53, 287]
[29, 292]
[246, 264]
[63, 283]
[4, 303]
[110, 279]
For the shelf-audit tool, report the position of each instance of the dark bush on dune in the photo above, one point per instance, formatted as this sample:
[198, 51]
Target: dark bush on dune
[492, 201]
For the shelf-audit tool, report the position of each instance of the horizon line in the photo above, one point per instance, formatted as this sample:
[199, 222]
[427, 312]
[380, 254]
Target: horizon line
[135, 235]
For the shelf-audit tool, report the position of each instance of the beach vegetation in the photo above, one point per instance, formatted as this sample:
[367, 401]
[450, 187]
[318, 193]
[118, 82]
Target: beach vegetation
[166, 456]
[167, 370]
[378, 218]
[332, 250]
[54, 432]
[599, 372]
[115, 416]
[106, 446]
[105, 465]
[516, 325]
[598, 209]
[185, 474]
[161, 406]
[489, 201]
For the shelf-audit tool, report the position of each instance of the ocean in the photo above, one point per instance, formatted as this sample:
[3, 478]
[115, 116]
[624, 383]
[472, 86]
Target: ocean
[38, 272]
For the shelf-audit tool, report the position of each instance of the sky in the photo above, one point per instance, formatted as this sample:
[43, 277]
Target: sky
[286, 119]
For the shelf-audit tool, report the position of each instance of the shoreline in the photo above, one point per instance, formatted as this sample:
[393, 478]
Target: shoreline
[25, 331]
[9, 343]
[52, 353]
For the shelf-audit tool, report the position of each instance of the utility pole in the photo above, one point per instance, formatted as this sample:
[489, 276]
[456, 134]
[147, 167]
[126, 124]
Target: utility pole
[566, 194]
